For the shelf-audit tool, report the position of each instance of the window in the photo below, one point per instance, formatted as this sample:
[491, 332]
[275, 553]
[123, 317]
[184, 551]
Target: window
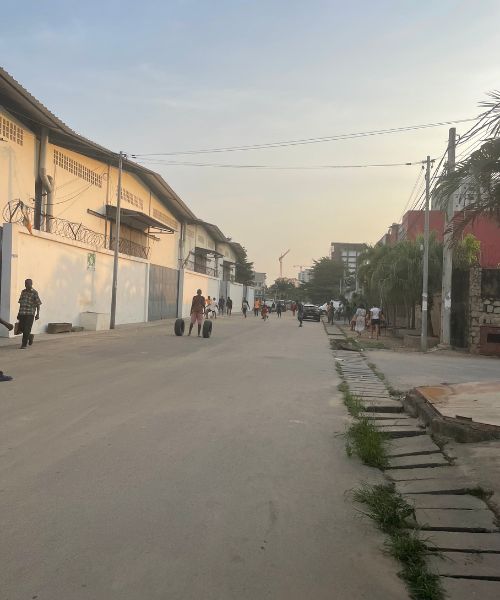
[11, 131]
[77, 168]
[161, 216]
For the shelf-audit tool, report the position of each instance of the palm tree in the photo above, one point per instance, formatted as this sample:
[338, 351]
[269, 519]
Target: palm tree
[476, 180]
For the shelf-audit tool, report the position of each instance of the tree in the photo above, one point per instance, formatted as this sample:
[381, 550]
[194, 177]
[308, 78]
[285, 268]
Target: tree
[283, 289]
[325, 280]
[244, 269]
[476, 180]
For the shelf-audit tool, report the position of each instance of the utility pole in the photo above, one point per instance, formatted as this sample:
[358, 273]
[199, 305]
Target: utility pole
[425, 281]
[447, 251]
[114, 286]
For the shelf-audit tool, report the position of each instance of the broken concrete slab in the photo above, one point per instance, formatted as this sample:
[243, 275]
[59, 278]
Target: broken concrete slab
[409, 446]
[470, 589]
[382, 415]
[399, 431]
[454, 541]
[453, 485]
[423, 473]
[418, 461]
[443, 519]
[396, 421]
[466, 565]
[450, 501]
[387, 406]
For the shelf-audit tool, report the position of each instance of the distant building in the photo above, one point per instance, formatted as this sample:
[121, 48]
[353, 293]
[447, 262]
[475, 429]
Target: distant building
[259, 284]
[348, 253]
[305, 275]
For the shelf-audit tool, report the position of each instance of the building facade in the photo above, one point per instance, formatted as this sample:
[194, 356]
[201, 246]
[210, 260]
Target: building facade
[58, 212]
[348, 253]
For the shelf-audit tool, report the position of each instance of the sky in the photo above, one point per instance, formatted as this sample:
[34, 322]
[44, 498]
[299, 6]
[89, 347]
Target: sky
[168, 76]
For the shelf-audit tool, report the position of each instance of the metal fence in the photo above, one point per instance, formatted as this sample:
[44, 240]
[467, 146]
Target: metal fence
[18, 212]
[200, 268]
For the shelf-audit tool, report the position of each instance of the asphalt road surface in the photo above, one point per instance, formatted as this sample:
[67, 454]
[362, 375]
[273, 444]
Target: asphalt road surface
[137, 465]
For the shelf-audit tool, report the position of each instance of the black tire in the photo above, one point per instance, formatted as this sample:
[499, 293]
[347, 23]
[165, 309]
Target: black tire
[207, 329]
[179, 327]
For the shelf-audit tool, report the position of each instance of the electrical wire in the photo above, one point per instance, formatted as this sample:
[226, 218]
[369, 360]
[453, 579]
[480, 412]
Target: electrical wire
[419, 175]
[282, 168]
[313, 140]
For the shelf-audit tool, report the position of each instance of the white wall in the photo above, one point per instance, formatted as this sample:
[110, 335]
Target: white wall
[66, 286]
[250, 296]
[190, 282]
[235, 292]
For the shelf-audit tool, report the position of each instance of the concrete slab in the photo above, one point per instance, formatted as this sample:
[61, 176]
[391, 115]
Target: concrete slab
[418, 461]
[467, 564]
[462, 541]
[443, 519]
[471, 589]
[398, 431]
[477, 400]
[409, 446]
[381, 405]
[396, 421]
[383, 415]
[451, 501]
[423, 473]
[434, 486]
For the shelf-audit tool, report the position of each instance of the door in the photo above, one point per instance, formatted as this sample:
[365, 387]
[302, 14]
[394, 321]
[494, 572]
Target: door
[163, 290]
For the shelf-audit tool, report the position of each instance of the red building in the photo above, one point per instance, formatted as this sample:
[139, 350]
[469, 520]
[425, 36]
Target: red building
[484, 229]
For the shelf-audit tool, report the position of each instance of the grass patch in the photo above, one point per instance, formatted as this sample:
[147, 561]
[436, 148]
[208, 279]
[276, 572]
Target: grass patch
[392, 514]
[375, 345]
[354, 404]
[480, 493]
[368, 443]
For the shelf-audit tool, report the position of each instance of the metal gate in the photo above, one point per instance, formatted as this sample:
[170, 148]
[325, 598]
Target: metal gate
[163, 291]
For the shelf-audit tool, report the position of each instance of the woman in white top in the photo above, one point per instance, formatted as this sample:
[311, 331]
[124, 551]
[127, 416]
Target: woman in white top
[360, 320]
[375, 320]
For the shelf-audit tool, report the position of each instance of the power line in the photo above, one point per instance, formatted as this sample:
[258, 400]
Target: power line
[419, 175]
[279, 168]
[313, 140]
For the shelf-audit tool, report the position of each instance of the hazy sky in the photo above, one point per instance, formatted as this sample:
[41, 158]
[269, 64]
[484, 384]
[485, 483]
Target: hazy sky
[160, 76]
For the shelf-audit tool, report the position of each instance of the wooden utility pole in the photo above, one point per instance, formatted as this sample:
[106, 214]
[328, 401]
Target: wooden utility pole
[425, 280]
[114, 286]
[447, 251]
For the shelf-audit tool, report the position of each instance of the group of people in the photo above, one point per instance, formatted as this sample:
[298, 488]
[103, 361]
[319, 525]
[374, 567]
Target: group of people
[260, 307]
[214, 308]
[371, 319]
[29, 312]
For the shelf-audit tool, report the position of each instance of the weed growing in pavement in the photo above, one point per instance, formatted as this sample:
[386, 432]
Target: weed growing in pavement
[368, 443]
[392, 514]
[354, 404]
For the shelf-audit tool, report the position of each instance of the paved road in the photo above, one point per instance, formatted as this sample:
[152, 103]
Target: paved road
[136, 465]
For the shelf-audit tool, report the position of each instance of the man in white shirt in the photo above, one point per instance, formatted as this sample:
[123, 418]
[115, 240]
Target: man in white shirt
[375, 320]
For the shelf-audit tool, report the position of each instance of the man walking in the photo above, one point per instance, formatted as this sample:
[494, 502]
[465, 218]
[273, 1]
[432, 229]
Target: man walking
[244, 307]
[256, 307]
[300, 313]
[375, 320]
[278, 310]
[197, 312]
[229, 306]
[29, 311]
[222, 304]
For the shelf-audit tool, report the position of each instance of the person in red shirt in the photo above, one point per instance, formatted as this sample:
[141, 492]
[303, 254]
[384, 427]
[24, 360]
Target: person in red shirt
[197, 312]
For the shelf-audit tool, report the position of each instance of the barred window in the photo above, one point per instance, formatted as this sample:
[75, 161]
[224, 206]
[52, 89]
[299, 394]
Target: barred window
[132, 198]
[161, 216]
[11, 131]
[76, 168]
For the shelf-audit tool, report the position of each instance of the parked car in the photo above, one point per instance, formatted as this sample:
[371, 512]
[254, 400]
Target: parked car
[311, 311]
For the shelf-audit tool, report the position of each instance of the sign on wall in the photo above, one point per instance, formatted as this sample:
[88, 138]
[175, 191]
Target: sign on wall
[91, 261]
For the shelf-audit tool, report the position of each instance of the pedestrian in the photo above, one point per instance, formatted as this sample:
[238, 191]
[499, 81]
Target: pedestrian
[197, 311]
[300, 313]
[293, 308]
[222, 303]
[229, 306]
[375, 320]
[213, 308]
[273, 306]
[244, 307]
[29, 311]
[330, 312]
[360, 319]
[265, 312]
[256, 307]
[278, 310]
[208, 302]
[9, 326]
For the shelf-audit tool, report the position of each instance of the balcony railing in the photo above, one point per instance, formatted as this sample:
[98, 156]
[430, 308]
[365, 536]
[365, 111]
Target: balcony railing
[197, 267]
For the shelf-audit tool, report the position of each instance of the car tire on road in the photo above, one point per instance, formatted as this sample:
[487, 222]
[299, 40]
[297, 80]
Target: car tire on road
[207, 329]
[179, 327]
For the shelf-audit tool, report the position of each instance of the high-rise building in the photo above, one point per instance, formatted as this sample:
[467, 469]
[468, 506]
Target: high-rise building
[348, 253]
[259, 284]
